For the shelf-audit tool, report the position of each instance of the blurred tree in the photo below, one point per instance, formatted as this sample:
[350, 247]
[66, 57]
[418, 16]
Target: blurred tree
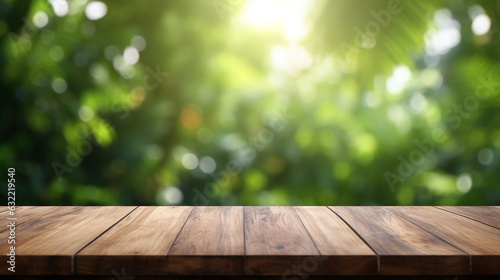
[251, 102]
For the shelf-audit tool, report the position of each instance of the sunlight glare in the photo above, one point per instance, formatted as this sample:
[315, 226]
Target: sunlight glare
[291, 59]
[288, 14]
[396, 83]
[60, 7]
[481, 24]
[262, 13]
[96, 10]
[447, 35]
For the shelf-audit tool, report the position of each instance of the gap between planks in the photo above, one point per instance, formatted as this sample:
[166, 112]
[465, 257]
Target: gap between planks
[73, 257]
[309, 234]
[177, 236]
[470, 257]
[465, 216]
[483, 248]
[360, 237]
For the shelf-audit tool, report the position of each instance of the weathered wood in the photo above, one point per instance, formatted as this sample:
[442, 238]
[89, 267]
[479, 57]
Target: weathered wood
[480, 241]
[341, 249]
[276, 242]
[403, 248]
[48, 237]
[139, 243]
[210, 243]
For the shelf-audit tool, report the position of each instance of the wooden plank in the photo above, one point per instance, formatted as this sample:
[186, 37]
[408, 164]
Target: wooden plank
[276, 242]
[489, 215]
[481, 241]
[403, 248]
[139, 243]
[281, 241]
[48, 237]
[210, 243]
[30, 213]
[341, 249]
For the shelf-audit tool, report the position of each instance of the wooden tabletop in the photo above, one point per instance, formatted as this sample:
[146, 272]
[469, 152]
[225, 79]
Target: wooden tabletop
[253, 241]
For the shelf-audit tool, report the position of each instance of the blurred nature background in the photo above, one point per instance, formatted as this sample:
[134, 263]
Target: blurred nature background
[233, 102]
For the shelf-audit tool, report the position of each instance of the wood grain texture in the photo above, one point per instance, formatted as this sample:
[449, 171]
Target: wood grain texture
[481, 241]
[276, 242]
[250, 242]
[341, 249]
[48, 237]
[489, 215]
[139, 243]
[210, 243]
[403, 248]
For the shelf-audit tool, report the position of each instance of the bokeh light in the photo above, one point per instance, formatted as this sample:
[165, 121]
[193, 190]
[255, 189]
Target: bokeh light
[251, 103]
[190, 117]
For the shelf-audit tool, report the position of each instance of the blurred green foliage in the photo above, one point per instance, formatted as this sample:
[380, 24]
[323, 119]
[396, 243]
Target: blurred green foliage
[251, 102]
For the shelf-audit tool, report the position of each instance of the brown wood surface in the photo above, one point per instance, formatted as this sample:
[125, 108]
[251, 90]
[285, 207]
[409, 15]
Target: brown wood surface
[341, 249]
[48, 237]
[210, 243]
[139, 243]
[403, 248]
[489, 215]
[283, 242]
[480, 241]
[276, 242]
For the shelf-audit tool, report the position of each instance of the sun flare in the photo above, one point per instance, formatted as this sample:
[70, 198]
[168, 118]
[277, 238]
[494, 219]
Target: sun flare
[289, 15]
